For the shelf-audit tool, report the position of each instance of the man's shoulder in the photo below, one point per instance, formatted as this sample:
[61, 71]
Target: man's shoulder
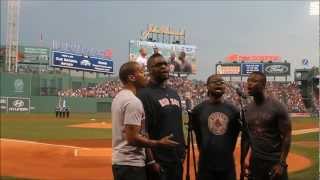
[230, 105]
[144, 93]
[126, 96]
[200, 105]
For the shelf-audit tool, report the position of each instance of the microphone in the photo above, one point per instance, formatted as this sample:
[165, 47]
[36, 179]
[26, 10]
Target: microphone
[238, 91]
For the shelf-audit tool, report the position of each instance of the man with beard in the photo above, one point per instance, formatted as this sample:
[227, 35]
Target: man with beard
[128, 140]
[163, 111]
[269, 128]
[216, 125]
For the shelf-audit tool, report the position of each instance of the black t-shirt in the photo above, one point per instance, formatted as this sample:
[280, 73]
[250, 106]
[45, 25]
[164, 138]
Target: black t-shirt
[265, 123]
[163, 117]
[216, 127]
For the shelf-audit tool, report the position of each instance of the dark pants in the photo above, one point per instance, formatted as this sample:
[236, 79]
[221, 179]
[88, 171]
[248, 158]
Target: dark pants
[169, 171]
[123, 172]
[205, 173]
[260, 170]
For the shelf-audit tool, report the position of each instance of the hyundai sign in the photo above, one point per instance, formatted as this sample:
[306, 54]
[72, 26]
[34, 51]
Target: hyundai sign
[248, 68]
[14, 104]
[80, 62]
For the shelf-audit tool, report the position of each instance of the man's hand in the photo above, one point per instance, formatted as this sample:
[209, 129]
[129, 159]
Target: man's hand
[246, 165]
[276, 171]
[154, 168]
[166, 142]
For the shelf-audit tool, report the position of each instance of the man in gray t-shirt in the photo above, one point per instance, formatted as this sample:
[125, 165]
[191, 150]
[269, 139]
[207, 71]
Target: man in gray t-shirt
[128, 139]
[126, 109]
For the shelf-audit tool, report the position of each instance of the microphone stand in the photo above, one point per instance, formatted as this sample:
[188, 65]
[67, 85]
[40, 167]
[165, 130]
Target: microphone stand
[190, 144]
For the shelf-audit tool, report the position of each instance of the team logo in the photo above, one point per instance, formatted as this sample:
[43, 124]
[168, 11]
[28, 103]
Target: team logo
[18, 103]
[18, 85]
[218, 123]
[85, 63]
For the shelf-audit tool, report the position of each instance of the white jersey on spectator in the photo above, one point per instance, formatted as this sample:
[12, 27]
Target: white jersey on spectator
[126, 109]
[142, 60]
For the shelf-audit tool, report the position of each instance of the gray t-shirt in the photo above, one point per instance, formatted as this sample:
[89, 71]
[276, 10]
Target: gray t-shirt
[126, 108]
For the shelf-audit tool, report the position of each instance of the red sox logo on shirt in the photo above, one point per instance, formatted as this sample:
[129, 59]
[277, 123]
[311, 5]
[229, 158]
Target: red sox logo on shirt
[166, 102]
[218, 123]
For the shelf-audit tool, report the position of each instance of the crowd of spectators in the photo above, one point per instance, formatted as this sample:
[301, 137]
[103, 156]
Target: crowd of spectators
[287, 93]
[105, 89]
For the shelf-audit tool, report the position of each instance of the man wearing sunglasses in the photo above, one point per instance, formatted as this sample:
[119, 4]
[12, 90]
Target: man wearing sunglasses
[163, 116]
[215, 123]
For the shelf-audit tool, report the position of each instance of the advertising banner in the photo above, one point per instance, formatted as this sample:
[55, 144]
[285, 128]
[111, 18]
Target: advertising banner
[248, 68]
[37, 55]
[228, 69]
[80, 62]
[277, 69]
[3, 104]
[17, 104]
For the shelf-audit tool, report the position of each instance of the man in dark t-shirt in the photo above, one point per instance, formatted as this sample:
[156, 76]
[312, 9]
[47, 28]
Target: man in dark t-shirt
[163, 116]
[216, 125]
[269, 128]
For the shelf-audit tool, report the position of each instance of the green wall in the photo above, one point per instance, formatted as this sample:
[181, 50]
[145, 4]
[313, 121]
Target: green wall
[42, 90]
[43, 84]
[41, 104]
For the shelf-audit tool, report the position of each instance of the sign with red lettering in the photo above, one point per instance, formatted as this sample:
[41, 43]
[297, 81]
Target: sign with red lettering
[252, 58]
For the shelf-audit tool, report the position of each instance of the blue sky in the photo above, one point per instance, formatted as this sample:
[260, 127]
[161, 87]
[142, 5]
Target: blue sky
[217, 28]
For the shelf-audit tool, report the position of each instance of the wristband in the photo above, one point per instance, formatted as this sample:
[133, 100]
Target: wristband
[151, 162]
[283, 164]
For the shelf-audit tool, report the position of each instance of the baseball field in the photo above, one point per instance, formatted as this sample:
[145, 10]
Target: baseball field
[41, 146]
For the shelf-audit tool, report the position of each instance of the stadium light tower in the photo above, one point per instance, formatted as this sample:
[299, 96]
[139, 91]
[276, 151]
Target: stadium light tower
[314, 8]
[12, 41]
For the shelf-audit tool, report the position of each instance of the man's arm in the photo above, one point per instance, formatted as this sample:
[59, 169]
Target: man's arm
[285, 128]
[134, 138]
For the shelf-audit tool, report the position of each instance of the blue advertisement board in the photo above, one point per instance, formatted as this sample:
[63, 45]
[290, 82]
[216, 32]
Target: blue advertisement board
[80, 62]
[248, 68]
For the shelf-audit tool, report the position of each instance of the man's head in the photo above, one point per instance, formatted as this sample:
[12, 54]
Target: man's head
[172, 56]
[155, 50]
[132, 73]
[182, 55]
[143, 52]
[158, 68]
[256, 83]
[215, 86]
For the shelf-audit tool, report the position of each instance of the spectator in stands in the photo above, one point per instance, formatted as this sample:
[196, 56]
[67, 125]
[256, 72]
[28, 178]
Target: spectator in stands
[287, 93]
[156, 50]
[142, 58]
[174, 64]
[185, 67]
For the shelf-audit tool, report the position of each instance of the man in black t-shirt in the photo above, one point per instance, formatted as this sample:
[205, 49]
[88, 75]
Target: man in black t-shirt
[269, 128]
[216, 125]
[163, 113]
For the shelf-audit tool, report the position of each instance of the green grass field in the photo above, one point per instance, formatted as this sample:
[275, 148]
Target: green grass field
[312, 153]
[47, 127]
